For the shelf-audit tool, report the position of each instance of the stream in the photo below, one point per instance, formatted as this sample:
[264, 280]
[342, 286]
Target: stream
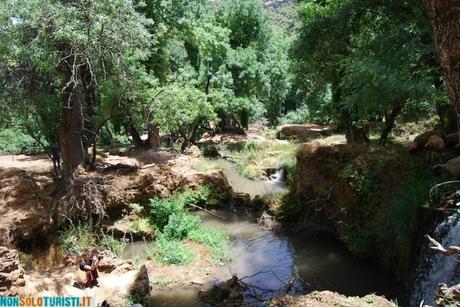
[270, 261]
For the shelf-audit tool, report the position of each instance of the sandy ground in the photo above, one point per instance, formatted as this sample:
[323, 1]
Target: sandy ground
[38, 164]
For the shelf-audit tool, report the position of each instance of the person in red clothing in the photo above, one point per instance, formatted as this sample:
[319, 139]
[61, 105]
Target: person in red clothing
[89, 264]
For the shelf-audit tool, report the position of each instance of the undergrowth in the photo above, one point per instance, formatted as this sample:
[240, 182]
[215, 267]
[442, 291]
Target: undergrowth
[174, 225]
[255, 157]
[83, 237]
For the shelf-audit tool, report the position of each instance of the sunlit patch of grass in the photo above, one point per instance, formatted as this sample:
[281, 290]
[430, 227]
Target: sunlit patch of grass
[204, 166]
[256, 157]
[217, 239]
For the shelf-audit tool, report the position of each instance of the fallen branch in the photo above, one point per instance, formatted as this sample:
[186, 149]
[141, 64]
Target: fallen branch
[207, 211]
[437, 247]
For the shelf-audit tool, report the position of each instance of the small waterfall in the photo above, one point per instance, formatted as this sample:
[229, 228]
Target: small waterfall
[435, 268]
[277, 177]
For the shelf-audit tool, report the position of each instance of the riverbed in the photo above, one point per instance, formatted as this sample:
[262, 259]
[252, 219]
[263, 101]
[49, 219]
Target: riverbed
[270, 263]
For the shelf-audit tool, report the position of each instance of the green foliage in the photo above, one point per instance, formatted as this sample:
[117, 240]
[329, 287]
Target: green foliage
[162, 208]
[116, 246]
[217, 239]
[76, 239]
[347, 49]
[172, 252]
[83, 236]
[203, 195]
[141, 224]
[13, 141]
[179, 226]
[255, 157]
[136, 208]
[175, 224]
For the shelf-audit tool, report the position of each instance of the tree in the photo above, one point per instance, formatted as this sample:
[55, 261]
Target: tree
[372, 56]
[75, 44]
[444, 16]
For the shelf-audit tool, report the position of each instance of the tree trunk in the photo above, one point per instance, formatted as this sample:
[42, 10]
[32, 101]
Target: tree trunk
[153, 140]
[71, 130]
[135, 136]
[389, 124]
[444, 16]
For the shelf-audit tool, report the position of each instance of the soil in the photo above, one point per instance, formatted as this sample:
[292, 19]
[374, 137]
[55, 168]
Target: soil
[330, 299]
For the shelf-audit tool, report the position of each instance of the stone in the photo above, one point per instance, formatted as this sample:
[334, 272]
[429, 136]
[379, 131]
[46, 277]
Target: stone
[11, 273]
[303, 132]
[193, 151]
[110, 263]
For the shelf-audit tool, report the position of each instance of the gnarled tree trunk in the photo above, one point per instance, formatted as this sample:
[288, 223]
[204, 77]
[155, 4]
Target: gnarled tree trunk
[444, 16]
[71, 129]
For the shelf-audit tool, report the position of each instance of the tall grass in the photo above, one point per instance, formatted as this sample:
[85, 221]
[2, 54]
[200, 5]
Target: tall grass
[174, 225]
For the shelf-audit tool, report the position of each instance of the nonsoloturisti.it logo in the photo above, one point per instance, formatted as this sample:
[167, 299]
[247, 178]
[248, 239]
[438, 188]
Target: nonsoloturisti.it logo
[46, 301]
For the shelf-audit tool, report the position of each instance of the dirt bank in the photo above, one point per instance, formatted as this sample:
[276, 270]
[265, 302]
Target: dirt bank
[367, 196]
[330, 299]
[31, 203]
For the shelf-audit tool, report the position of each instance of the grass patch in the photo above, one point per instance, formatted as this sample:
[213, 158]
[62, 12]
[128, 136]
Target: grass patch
[255, 157]
[217, 239]
[204, 166]
[13, 141]
[174, 224]
[82, 237]
[141, 225]
[172, 251]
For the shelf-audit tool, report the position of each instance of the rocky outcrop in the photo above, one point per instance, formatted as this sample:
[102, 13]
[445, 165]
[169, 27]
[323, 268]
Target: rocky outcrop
[330, 299]
[110, 263]
[123, 228]
[11, 273]
[357, 193]
[303, 132]
[23, 206]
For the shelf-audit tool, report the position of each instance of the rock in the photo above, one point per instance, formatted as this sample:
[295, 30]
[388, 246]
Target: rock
[23, 203]
[211, 151]
[123, 229]
[110, 263]
[327, 298]
[241, 199]
[11, 273]
[214, 179]
[193, 151]
[303, 132]
[140, 290]
[231, 290]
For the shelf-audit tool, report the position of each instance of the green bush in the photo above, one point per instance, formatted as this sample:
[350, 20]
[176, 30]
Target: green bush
[162, 208]
[217, 239]
[203, 195]
[82, 237]
[13, 141]
[78, 238]
[108, 242]
[172, 252]
[180, 225]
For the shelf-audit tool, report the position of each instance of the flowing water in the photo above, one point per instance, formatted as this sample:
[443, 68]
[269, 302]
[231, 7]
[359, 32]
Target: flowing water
[269, 261]
[435, 268]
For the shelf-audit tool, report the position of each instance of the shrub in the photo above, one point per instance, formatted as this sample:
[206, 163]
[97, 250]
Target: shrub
[172, 252]
[162, 208]
[141, 224]
[78, 238]
[217, 239]
[202, 195]
[13, 141]
[180, 225]
[82, 237]
[108, 242]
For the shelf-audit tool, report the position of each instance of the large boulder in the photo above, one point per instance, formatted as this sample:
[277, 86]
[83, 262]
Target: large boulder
[23, 206]
[11, 273]
[328, 298]
[303, 132]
